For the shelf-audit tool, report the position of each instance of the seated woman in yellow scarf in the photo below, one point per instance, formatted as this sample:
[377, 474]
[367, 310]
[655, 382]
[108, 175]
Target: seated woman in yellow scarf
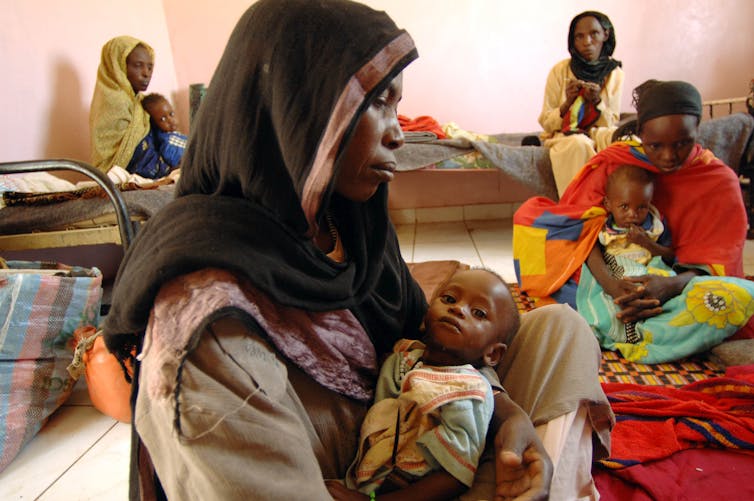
[698, 303]
[119, 125]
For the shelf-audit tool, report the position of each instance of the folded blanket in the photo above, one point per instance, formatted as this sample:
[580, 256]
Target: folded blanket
[43, 188]
[526, 166]
[653, 422]
[421, 124]
[729, 138]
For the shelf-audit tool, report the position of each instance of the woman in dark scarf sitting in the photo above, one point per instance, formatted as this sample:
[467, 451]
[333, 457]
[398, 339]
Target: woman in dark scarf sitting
[261, 301]
[582, 97]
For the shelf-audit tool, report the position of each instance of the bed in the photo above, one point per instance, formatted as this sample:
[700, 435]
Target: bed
[91, 225]
[497, 169]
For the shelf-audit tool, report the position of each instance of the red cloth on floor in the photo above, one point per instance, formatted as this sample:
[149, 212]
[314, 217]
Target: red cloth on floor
[653, 422]
[696, 442]
[421, 124]
[690, 474]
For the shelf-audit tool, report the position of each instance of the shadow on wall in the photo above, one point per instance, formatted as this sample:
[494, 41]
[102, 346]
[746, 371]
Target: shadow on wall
[68, 123]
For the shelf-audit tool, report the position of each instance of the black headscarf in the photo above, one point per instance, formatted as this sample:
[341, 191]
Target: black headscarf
[258, 175]
[656, 98]
[593, 71]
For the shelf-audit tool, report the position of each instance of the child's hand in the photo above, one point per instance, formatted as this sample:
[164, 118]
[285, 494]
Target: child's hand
[339, 492]
[636, 235]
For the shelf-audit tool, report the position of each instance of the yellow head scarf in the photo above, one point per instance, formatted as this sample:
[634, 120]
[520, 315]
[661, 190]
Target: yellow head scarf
[117, 121]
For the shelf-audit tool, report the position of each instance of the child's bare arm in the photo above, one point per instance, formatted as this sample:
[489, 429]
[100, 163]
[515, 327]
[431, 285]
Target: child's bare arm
[614, 287]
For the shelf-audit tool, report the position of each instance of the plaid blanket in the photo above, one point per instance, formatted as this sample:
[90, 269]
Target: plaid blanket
[41, 305]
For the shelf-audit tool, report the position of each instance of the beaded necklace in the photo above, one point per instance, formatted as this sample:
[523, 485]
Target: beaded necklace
[338, 252]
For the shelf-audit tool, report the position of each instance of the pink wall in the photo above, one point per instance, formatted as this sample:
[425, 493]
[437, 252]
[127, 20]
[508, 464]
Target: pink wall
[482, 63]
[50, 52]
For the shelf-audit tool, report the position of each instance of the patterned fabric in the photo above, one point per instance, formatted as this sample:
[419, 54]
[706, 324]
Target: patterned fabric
[147, 161]
[654, 422]
[40, 308]
[708, 310]
[471, 160]
[331, 346]
[616, 369]
[171, 146]
[550, 243]
[580, 116]
[552, 240]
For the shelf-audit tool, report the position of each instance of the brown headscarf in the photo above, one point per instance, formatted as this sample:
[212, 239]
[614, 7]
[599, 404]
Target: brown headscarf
[258, 174]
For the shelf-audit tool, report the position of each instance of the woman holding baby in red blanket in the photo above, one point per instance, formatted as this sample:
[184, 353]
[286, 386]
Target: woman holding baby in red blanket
[698, 303]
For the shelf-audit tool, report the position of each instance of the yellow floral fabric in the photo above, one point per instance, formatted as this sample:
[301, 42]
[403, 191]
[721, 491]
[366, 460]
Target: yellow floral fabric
[708, 310]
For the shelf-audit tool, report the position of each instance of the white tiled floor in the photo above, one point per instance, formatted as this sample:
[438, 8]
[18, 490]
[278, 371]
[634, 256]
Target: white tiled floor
[81, 454]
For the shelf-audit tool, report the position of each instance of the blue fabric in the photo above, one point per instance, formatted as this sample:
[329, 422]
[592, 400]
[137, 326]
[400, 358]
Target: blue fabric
[171, 146]
[147, 161]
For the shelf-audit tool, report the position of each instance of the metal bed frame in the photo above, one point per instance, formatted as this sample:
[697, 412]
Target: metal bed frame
[122, 233]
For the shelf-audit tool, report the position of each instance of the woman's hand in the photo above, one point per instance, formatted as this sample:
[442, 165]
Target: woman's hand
[571, 93]
[652, 292]
[634, 307]
[659, 287]
[591, 92]
[523, 469]
[618, 287]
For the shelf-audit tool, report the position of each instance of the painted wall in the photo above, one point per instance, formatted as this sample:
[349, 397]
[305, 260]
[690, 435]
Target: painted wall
[482, 63]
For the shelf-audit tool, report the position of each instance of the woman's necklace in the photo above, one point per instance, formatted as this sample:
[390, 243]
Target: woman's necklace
[337, 253]
[333, 230]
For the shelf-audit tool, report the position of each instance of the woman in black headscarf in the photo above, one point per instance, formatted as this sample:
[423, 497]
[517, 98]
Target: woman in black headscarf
[261, 300]
[582, 97]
